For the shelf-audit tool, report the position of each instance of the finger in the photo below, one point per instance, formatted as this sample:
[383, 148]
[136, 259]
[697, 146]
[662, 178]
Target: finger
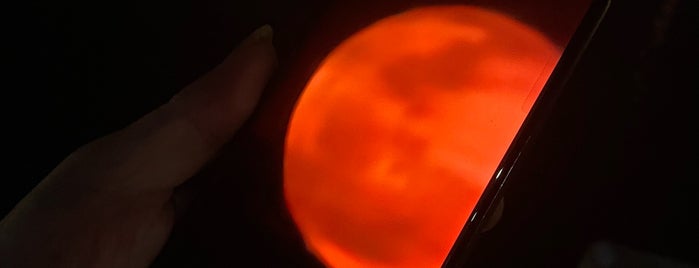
[167, 146]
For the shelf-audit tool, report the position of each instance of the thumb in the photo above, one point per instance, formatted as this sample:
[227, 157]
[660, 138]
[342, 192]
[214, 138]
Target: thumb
[110, 202]
[166, 147]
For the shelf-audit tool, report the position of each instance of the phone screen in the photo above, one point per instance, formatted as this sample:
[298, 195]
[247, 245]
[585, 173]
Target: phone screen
[403, 125]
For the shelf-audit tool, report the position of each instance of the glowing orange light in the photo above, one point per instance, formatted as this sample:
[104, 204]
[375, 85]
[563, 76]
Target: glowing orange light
[400, 129]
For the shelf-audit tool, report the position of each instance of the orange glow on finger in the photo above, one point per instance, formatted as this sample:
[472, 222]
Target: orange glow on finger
[399, 130]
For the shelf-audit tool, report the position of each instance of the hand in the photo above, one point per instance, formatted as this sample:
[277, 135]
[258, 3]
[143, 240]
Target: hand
[112, 203]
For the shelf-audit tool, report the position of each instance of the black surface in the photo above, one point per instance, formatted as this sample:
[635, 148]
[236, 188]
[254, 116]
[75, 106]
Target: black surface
[617, 162]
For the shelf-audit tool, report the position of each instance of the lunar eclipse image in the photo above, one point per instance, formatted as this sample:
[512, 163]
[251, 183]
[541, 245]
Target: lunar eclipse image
[400, 128]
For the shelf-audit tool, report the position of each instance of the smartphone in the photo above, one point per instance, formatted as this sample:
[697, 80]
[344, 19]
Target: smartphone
[490, 204]
[412, 115]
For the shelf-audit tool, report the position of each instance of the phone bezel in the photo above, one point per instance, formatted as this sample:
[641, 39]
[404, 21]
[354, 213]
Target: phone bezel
[531, 126]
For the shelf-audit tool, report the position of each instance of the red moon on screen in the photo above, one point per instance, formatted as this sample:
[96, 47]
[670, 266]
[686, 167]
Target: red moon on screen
[397, 133]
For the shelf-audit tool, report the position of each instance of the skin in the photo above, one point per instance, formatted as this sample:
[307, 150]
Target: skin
[113, 202]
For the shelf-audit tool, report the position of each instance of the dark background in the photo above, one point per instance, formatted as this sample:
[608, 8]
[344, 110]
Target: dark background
[615, 163]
